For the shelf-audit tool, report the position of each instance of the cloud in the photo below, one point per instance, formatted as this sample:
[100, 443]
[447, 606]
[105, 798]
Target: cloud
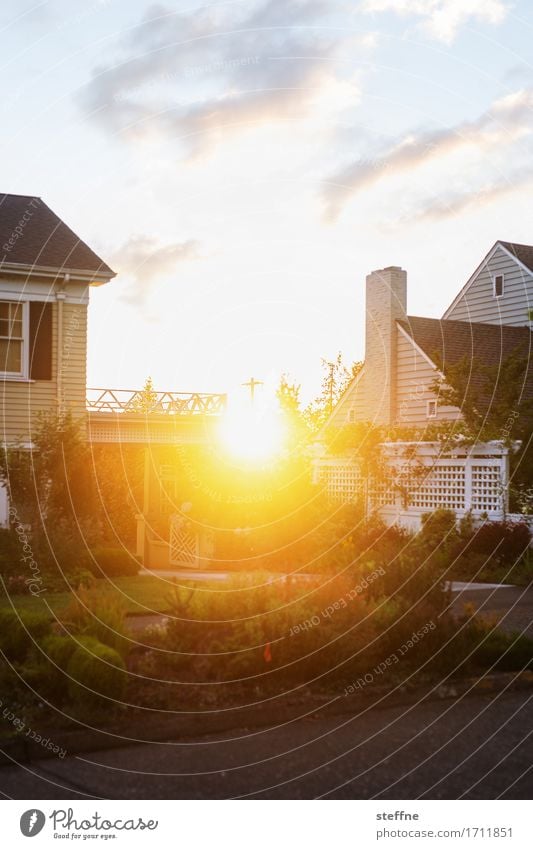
[442, 19]
[209, 73]
[143, 261]
[508, 120]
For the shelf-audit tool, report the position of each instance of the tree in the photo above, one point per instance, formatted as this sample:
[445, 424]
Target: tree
[489, 397]
[145, 400]
[336, 380]
[288, 395]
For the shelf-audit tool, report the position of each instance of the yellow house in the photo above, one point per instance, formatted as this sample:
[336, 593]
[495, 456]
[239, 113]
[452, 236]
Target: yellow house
[46, 271]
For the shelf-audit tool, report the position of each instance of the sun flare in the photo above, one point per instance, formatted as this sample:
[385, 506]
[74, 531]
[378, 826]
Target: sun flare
[252, 435]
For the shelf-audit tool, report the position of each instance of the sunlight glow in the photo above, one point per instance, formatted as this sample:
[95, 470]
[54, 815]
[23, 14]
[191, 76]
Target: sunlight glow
[253, 435]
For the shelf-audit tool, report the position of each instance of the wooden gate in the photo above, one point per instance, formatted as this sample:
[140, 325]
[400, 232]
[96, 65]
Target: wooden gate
[184, 543]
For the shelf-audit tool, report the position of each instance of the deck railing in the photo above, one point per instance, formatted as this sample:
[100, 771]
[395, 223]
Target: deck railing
[141, 402]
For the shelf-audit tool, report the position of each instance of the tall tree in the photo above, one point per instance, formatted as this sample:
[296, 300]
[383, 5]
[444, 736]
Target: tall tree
[337, 377]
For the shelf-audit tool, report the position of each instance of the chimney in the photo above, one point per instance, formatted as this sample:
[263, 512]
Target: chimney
[386, 302]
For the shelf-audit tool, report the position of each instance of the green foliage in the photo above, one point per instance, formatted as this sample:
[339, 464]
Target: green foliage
[97, 676]
[101, 616]
[506, 542]
[489, 397]
[145, 400]
[506, 652]
[336, 380]
[18, 633]
[113, 563]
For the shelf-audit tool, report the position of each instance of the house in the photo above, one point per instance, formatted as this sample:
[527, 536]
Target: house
[46, 272]
[491, 317]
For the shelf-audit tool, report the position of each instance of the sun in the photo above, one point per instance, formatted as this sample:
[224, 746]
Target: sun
[253, 435]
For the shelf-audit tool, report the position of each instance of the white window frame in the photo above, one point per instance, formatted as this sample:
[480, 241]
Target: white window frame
[431, 405]
[23, 374]
[496, 276]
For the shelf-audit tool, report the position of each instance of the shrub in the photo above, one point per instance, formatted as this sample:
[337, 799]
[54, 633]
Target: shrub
[113, 563]
[439, 531]
[96, 675]
[91, 613]
[17, 633]
[507, 542]
[508, 652]
[10, 553]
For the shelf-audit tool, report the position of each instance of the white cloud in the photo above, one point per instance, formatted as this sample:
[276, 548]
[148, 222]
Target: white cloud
[508, 121]
[442, 19]
[201, 76]
[142, 260]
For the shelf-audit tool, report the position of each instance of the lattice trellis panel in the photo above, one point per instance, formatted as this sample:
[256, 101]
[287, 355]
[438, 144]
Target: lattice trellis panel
[183, 544]
[443, 486]
[343, 483]
[486, 488]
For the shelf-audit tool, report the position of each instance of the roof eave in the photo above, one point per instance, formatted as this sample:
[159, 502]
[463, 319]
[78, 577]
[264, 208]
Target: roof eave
[93, 278]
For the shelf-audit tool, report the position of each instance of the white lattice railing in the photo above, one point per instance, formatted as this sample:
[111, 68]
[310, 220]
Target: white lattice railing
[169, 403]
[466, 479]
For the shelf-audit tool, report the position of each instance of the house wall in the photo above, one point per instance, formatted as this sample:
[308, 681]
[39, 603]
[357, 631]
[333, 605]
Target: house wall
[351, 408]
[414, 376]
[477, 302]
[22, 400]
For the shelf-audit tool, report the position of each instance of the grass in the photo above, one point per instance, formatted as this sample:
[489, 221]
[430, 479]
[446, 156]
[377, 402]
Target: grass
[140, 594]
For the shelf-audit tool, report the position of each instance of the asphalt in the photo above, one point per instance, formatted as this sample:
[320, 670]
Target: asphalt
[477, 747]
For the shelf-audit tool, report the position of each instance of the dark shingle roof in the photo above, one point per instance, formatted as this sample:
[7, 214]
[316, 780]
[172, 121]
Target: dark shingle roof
[31, 234]
[524, 253]
[446, 342]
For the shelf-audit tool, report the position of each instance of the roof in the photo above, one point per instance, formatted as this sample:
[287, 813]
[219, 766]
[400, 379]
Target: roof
[446, 342]
[523, 253]
[31, 234]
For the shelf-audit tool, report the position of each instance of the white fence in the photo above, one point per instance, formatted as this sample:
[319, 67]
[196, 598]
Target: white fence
[422, 477]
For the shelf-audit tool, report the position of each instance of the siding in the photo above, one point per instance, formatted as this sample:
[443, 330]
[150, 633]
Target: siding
[478, 304]
[20, 401]
[414, 377]
[352, 400]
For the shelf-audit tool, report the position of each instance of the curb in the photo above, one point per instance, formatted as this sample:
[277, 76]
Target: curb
[191, 726]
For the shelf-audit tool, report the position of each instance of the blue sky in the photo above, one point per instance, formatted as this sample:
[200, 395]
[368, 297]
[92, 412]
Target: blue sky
[244, 165]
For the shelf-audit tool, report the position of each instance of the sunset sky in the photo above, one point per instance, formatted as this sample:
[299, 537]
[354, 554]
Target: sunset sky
[244, 165]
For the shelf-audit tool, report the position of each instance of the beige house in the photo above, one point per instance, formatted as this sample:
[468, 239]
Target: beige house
[46, 272]
[491, 317]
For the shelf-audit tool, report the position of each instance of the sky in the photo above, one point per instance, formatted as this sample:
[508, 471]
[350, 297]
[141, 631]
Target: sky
[243, 165]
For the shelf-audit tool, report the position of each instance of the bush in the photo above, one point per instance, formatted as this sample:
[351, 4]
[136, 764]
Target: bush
[508, 652]
[17, 633]
[113, 563]
[98, 615]
[10, 553]
[96, 675]
[507, 542]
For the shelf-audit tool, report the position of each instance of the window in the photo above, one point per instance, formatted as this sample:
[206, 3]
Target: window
[13, 336]
[498, 286]
[530, 315]
[351, 416]
[431, 409]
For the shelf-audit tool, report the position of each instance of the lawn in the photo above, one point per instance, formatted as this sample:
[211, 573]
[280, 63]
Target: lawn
[140, 594]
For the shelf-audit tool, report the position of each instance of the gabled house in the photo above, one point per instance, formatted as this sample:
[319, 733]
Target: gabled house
[491, 317]
[405, 356]
[46, 272]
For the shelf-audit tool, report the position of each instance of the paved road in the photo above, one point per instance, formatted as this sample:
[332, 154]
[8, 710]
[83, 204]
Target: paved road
[478, 748]
[511, 607]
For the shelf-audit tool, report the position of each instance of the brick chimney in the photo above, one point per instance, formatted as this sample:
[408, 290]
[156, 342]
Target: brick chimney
[386, 302]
